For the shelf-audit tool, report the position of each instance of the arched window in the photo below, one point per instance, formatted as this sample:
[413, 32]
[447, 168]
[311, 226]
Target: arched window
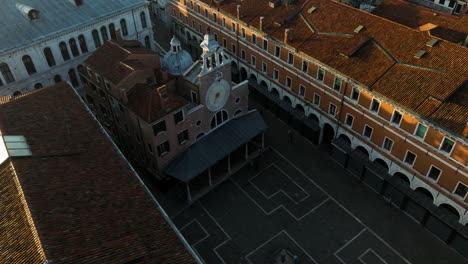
[123, 26]
[38, 86]
[28, 64]
[7, 75]
[73, 47]
[147, 42]
[64, 51]
[143, 19]
[97, 41]
[112, 31]
[83, 45]
[16, 93]
[219, 118]
[57, 78]
[104, 34]
[49, 57]
[73, 79]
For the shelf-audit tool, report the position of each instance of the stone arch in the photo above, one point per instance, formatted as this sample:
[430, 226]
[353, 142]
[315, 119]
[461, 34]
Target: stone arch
[362, 150]
[275, 92]
[242, 74]
[300, 108]
[345, 138]
[451, 210]
[328, 133]
[253, 79]
[263, 84]
[16, 93]
[418, 184]
[287, 99]
[381, 163]
[314, 117]
[425, 192]
[403, 177]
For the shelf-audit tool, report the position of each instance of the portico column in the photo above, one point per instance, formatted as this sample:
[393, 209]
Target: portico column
[189, 197]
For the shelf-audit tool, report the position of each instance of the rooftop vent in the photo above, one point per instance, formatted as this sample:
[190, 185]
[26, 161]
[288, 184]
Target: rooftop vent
[432, 42]
[312, 9]
[419, 54]
[13, 146]
[28, 12]
[358, 29]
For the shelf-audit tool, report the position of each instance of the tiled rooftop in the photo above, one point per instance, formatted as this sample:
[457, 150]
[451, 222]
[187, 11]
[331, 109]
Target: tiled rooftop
[86, 203]
[381, 57]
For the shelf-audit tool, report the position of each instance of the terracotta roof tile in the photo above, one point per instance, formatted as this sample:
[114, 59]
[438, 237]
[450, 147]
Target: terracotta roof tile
[87, 205]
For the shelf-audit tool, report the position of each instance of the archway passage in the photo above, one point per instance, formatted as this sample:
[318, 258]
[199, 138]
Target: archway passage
[275, 92]
[234, 72]
[264, 85]
[362, 150]
[402, 177]
[381, 163]
[243, 74]
[287, 100]
[253, 80]
[315, 118]
[450, 210]
[300, 108]
[345, 139]
[328, 134]
[425, 193]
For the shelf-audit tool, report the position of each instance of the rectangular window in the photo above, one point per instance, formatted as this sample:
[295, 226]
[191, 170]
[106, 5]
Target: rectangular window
[215, 36]
[367, 131]
[215, 18]
[198, 9]
[224, 22]
[337, 84]
[254, 39]
[277, 51]
[275, 74]
[265, 44]
[410, 158]
[243, 32]
[193, 23]
[447, 145]
[396, 118]
[301, 90]
[193, 96]
[349, 120]
[179, 117]
[253, 60]
[461, 190]
[434, 173]
[355, 94]
[163, 148]
[159, 128]
[288, 82]
[183, 137]
[388, 144]
[264, 67]
[316, 99]
[420, 130]
[200, 28]
[243, 54]
[375, 105]
[290, 58]
[320, 75]
[332, 109]
[233, 48]
[206, 12]
[233, 27]
[305, 66]
[224, 42]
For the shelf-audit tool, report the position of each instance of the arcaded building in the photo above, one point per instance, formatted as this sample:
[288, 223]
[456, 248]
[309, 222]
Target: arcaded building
[393, 93]
[171, 117]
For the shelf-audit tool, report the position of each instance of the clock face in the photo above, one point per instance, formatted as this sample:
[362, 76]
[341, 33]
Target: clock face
[217, 95]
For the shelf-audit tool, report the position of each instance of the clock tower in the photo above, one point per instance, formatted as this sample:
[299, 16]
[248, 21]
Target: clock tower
[215, 75]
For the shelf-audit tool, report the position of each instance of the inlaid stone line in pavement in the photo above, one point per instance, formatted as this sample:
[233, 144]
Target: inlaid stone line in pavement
[279, 206]
[272, 165]
[347, 243]
[369, 253]
[248, 256]
[200, 226]
[219, 226]
[342, 207]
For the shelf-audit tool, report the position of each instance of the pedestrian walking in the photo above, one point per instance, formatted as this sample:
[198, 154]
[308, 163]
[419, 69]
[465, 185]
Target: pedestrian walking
[290, 137]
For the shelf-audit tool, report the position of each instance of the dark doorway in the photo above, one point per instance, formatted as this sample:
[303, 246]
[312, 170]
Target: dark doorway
[328, 134]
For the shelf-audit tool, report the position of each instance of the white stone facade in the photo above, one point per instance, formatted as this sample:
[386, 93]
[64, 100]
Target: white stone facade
[45, 74]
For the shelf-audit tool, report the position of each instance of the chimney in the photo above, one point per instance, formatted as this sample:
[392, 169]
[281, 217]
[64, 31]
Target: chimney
[286, 35]
[238, 12]
[163, 95]
[118, 36]
[261, 23]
